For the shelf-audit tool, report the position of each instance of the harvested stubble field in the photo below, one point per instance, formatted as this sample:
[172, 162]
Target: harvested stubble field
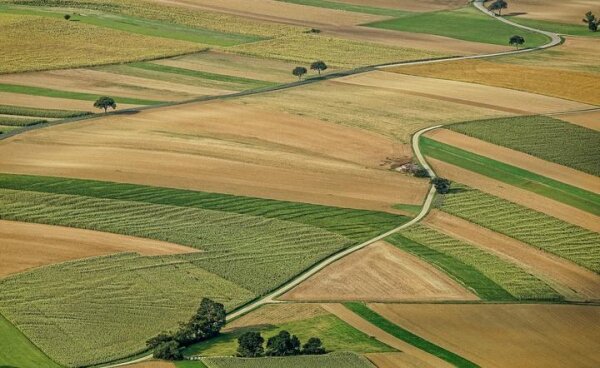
[380, 272]
[541, 136]
[302, 320]
[507, 280]
[534, 228]
[589, 120]
[334, 360]
[409, 5]
[541, 79]
[527, 336]
[553, 10]
[205, 146]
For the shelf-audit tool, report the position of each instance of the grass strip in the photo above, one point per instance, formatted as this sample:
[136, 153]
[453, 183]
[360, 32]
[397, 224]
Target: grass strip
[47, 92]
[20, 122]
[407, 336]
[43, 113]
[556, 27]
[251, 83]
[351, 7]
[462, 272]
[558, 191]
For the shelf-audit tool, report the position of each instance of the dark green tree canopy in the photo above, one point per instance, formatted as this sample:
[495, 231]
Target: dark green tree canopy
[591, 21]
[318, 66]
[442, 185]
[283, 344]
[104, 103]
[313, 346]
[516, 41]
[498, 5]
[299, 71]
[250, 345]
[169, 350]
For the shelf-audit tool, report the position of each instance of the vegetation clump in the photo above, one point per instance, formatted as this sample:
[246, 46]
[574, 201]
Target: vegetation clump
[318, 66]
[250, 345]
[591, 21]
[299, 71]
[516, 41]
[442, 186]
[498, 5]
[104, 103]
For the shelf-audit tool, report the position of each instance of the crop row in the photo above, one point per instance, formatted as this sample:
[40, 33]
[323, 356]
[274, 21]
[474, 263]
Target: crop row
[334, 360]
[43, 113]
[20, 122]
[537, 229]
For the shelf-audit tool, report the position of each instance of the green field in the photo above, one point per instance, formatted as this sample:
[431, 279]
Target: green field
[580, 29]
[351, 7]
[404, 335]
[20, 122]
[334, 360]
[504, 275]
[7, 128]
[47, 92]
[17, 351]
[467, 24]
[541, 136]
[335, 334]
[558, 191]
[42, 113]
[537, 229]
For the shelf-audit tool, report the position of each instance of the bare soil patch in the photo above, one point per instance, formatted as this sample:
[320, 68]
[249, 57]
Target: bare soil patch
[24, 245]
[523, 197]
[586, 119]
[379, 272]
[554, 10]
[531, 163]
[221, 147]
[569, 279]
[514, 335]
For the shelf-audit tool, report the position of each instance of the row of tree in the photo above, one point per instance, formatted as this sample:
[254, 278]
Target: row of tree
[204, 324]
[250, 345]
[318, 65]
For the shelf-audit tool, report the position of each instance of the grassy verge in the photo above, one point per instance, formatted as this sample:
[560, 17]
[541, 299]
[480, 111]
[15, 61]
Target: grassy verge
[351, 7]
[580, 29]
[47, 92]
[512, 175]
[537, 229]
[407, 336]
[43, 113]
[334, 360]
[541, 136]
[464, 24]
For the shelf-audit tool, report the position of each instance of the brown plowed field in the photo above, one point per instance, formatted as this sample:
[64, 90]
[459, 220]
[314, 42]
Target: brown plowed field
[419, 356]
[523, 197]
[587, 119]
[379, 272]
[531, 163]
[554, 10]
[506, 100]
[25, 245]
[569, 279]
[221, 147]
[500, 335]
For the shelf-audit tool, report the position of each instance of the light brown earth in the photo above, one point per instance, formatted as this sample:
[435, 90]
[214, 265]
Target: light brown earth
[221, 147]
[571, 11]
[418, 356]
[379, 272]
[24, 245]
[395, 360]
[19, 99]
[572, 281]
[505, 100]
[504, 335]
[274, 314]
[410, 5]
[523, 197]
[104, 83]
[586, 119]
[519, 159]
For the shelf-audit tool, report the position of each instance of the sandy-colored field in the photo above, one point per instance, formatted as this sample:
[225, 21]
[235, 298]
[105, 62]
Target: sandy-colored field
[554, 10]
[395, 360]
[572, 281]
[151, 364]
[582, 85]
[25, 245]
[506, 335]
[410, 5]
[42, 102]
[418, 356]
[587, 119]
[273, 314]
[504, 100]
[104, 83]
[523, 197]
[379, 272]
[221, 147]
[531, 163]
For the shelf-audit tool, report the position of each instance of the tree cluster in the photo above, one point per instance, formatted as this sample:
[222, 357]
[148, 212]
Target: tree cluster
[592, 22]
[250, 345]
[318, 65]
[442, 186]
[498, 5]
[204, 324]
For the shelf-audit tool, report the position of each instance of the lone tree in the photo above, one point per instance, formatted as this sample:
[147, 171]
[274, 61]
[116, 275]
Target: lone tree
[67, 16]
[516, 41]
[318, 66]
[105, 103]
[299, 71]
[313, 346]
[442, 186]
[283, 344]
[250, 345]
[498, 5]
[592, 22]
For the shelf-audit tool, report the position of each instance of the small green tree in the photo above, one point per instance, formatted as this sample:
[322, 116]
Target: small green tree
[67, 16]
[206, 323]
[313, 346]
[250, 345]
[591, 21]
[442, 186]
[516, 41]
[104, 103]
[283, 344]
[498, 5]
[168, 350]
[318, 66]
[299, 71]
[158, 339]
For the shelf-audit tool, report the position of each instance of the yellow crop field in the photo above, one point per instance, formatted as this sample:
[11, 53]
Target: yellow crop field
[337, 52]
[38, 43]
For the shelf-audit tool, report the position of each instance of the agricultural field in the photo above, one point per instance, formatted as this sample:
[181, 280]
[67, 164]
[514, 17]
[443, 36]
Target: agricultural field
[553, 10]
[334, 360]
